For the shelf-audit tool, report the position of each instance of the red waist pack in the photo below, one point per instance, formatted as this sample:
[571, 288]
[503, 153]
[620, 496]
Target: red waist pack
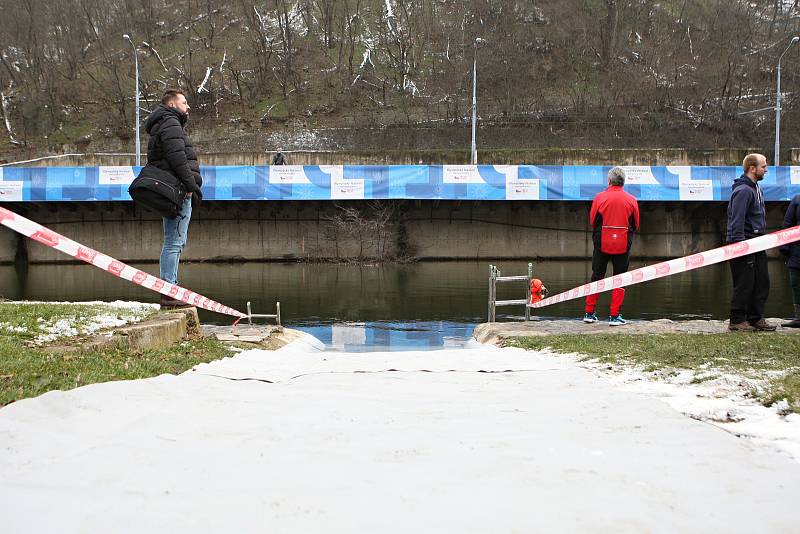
[614, 239]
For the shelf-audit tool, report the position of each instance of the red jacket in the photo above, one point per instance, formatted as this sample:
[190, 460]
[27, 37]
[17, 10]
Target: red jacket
[614, 217]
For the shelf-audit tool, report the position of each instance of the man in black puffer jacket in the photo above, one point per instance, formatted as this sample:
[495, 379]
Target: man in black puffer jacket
[171, 150]
[792, 252]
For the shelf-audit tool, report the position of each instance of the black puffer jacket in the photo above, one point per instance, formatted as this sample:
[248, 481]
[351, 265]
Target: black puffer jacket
[792, 218]
[171, 150]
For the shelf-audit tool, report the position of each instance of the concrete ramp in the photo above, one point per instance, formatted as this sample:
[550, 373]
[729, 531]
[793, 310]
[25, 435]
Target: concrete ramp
[341, 443]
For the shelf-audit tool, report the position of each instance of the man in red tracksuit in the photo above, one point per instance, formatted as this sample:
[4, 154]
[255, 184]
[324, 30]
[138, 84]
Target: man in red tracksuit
[614, 217]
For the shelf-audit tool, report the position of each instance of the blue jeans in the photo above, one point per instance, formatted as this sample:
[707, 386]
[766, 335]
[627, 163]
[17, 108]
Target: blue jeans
[175, 233]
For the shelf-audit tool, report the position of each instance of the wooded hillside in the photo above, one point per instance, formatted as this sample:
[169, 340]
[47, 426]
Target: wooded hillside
[573, 72]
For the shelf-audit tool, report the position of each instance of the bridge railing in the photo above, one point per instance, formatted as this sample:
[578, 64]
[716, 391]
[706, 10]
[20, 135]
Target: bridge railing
[416, 182]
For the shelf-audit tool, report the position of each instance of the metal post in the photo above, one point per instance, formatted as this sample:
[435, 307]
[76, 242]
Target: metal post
[491, 296]
[474, 151]
[778, 119]
[528, 292]
[474, 148]
[777, 155]
[138, 136]
[136, 65]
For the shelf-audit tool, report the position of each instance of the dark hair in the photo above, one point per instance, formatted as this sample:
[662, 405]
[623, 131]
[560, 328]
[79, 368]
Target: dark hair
[170, 95]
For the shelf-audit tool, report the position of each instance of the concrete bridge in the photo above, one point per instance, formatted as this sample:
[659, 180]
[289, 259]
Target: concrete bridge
[324, 230]
[262, 213]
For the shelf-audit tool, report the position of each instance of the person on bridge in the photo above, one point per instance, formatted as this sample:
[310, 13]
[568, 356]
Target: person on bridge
[792, 253]
[614, 218]
[171, 150]
[747, 219]
[279, 158]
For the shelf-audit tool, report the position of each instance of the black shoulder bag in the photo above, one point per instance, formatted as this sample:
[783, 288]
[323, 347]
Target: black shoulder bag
[158, 190]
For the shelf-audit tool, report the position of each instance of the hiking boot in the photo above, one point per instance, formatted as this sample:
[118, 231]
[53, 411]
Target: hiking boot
[616, 320]
[793, 323]
[744, 326]
[590, 317]
[167, 302]
[763, 326]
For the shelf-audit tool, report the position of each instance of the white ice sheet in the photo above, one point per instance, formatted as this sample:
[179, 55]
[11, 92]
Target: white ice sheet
[549, 447]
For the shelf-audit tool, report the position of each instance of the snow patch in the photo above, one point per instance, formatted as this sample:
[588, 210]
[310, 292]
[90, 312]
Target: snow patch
[125, 304]
[81, 323]
[8, 327]
[717, 397]
[73, 325]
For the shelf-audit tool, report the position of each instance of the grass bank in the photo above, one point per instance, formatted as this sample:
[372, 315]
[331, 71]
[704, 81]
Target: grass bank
[28, 369]
[770, 358]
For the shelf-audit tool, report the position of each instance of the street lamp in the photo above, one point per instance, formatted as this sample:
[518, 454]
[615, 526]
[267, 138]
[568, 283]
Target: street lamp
[778, 105]
[474, 152]
[136, 63]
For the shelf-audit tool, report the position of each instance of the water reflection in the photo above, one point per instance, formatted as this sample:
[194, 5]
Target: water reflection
[390, 336]
[454, 292]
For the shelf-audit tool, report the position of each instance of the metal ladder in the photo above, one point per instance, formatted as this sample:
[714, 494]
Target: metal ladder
[494, 278]
[276, 315]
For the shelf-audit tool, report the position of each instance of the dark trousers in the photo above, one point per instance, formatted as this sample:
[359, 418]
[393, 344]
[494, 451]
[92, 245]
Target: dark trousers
[620, 263]
[750, 287]
[794, 279]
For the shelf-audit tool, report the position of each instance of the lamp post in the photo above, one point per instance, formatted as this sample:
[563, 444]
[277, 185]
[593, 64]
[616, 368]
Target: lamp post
[136, 63]
[778, 105]
[474, 151]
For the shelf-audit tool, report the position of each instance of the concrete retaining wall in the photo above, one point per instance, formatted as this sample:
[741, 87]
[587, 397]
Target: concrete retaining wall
[276, 231]
[530, 156]
[8, 244]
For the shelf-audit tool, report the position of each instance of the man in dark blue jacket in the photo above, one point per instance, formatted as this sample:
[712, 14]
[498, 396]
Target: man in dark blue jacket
[792, 251]
[747, 219]
[171, 150]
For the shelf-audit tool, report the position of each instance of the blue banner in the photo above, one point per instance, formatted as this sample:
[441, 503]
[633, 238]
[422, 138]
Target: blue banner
[422, 182]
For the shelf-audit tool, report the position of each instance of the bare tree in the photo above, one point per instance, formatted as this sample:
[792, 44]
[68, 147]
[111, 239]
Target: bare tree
[578, 71]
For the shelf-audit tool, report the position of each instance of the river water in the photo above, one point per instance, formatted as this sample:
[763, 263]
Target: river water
[418, 305]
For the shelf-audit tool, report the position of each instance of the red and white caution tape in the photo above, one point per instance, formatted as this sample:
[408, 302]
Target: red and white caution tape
[72, 248]
[679, 265]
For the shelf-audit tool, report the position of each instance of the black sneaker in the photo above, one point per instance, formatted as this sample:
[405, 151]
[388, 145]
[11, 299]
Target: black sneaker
[794, 323]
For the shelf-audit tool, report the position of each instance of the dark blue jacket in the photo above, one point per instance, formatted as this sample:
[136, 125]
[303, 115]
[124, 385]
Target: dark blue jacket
[746, 212]
[792, 218]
